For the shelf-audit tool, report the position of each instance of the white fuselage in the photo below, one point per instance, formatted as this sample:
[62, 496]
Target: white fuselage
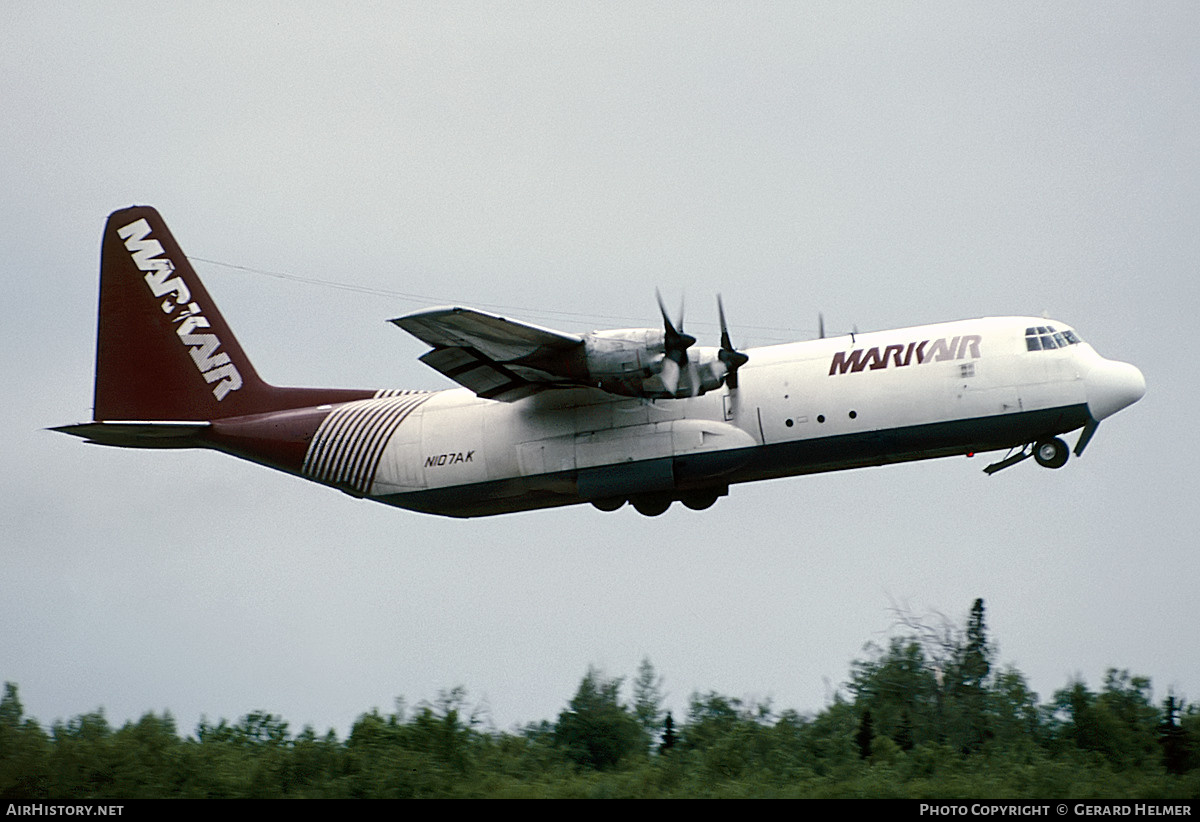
[828, 404]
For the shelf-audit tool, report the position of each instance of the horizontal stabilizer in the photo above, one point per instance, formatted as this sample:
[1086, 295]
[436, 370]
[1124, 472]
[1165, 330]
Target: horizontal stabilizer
[138, 434]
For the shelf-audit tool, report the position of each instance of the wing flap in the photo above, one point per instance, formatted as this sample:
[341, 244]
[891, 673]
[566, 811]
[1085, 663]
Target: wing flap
[470, 369]
[495, 357]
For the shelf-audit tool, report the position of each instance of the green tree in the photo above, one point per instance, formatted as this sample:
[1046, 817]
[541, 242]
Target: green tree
[732, 740]
[1189, 722]
[828, 741]
[932, 683]
[668, 738]
[81, 761]
[900, 689]
[976, 653]
[648, 700]
[440, 732]
[24, 751]
[1120, 722]
[866, 732]
[966, 685]
[596, 730]
[314, 767]
[146, 758]
[1172, 737]
[1129, 700]
[1012, 708]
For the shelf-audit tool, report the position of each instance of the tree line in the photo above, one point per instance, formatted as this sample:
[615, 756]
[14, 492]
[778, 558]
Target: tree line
[927, 715]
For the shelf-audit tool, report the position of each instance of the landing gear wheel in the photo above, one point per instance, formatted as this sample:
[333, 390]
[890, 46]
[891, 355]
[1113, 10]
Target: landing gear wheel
[699, 500]
[651, 505]
[610, 504]
[1051, 453]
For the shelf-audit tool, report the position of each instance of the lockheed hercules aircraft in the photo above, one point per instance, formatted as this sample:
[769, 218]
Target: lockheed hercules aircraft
[546, 418]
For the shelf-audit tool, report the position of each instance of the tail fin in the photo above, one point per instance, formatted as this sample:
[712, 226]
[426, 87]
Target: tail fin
[163, 350]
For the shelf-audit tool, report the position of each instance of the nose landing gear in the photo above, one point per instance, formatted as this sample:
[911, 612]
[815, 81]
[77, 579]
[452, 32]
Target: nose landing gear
[1049, 453]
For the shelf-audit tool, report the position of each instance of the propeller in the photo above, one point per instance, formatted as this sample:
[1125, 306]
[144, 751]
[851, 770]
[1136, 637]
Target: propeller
[731, 357]
[675, 345]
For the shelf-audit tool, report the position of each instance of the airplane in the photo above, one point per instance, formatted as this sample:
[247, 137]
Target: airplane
[545, 418]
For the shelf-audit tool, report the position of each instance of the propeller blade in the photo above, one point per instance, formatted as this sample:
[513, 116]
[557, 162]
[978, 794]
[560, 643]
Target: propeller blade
[663, 309]
[725, 343]
[669, 375]
[728, 355]
[675, 346]
[675, 341]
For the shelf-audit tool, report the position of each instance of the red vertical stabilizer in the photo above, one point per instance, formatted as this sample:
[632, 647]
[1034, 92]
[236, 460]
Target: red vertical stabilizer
[163, 351]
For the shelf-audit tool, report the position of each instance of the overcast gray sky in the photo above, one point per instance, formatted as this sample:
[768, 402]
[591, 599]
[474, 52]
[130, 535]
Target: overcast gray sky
[888, 164]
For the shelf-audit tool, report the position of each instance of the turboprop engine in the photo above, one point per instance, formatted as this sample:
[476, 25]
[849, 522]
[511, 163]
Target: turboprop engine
[666, 364]
[635, 362]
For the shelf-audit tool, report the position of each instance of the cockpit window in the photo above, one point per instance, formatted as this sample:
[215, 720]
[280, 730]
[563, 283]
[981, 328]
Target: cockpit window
[1047, 338]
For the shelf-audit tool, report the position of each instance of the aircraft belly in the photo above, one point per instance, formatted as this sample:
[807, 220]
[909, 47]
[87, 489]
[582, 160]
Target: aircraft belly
[748, 462]
[910, 442]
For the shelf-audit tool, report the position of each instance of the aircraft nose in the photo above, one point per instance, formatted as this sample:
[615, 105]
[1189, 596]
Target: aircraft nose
[1112, 386]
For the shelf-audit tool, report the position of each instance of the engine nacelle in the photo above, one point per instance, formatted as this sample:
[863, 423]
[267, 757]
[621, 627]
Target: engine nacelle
[629, 362]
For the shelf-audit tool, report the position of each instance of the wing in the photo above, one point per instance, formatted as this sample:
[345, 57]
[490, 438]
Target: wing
[495, 357]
